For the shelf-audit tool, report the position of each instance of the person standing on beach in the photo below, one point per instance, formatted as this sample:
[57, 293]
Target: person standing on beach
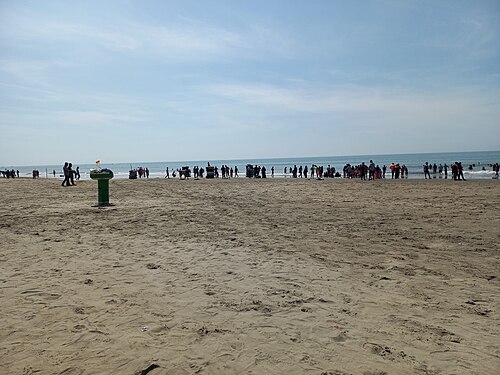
[66, 175]
[305, 171]
[392, 167]
[272, 171]
[371, 170]
[426, 170]
[384, 169]
[362, 171]
[284, 172]
[445, 170]
[77, 173]
[235, 171]
[168, 174]
[147, 172]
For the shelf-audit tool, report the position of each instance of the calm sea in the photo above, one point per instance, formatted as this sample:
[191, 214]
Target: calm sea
[475, 160]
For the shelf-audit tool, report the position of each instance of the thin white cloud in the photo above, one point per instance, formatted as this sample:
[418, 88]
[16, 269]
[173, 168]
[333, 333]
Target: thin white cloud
[186, 38]
[448, 109]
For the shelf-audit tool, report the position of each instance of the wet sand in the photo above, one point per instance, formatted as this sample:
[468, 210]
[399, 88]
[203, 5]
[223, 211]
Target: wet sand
[250, 277]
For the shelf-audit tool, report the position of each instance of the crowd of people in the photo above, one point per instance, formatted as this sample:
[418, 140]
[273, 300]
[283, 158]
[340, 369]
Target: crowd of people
[370, 171]
[363, 171]
[10, 173]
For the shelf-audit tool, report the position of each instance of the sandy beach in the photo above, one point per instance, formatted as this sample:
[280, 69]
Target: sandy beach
[250, 277]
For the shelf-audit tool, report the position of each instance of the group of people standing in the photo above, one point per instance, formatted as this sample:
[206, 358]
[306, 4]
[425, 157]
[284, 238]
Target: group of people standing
[314, 172]
[10, 173]
[373, 171]
[457, 170]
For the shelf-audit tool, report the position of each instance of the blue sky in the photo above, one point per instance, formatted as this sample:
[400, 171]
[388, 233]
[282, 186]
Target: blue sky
[166, 80]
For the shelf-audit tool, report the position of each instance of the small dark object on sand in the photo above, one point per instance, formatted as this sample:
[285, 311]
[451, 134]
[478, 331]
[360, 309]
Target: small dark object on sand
[148, 369]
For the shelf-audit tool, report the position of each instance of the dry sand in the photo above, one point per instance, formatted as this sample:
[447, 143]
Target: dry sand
[250, 277]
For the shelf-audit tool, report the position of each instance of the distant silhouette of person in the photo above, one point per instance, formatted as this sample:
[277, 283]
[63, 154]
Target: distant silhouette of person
[66, 175]
[426, 170]
[71, 174]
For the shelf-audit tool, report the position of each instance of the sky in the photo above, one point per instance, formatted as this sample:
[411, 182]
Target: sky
[160, 80]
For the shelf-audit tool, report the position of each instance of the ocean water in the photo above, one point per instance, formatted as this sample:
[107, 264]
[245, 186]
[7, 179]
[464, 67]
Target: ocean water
[414, 162]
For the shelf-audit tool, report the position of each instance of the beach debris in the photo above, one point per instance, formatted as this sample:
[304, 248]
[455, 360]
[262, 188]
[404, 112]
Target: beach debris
[341, 337]
[203, 331]
[152, 266]
[79, 310]
[151, 367]
[88, 281]
[144, 329]
[335, 372]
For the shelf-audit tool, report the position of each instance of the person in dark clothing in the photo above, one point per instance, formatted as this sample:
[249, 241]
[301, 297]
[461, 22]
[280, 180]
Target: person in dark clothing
[71, 174]
[460, 171]
[426, 170]
[66, 175]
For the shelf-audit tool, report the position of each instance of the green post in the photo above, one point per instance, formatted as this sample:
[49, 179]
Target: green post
[102, 176]
[103, 192]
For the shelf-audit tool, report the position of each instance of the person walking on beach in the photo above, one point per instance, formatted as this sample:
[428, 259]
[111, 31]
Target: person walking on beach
[66, 175]
[460, 171]
[71, 174]
[77, 173]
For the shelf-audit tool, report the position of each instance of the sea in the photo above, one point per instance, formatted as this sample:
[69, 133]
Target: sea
[477, 165]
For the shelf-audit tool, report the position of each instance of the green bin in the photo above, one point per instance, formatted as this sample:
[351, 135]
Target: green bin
[102, 176]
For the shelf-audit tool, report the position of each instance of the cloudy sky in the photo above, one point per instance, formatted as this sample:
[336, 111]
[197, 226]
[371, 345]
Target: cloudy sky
[155, 80]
